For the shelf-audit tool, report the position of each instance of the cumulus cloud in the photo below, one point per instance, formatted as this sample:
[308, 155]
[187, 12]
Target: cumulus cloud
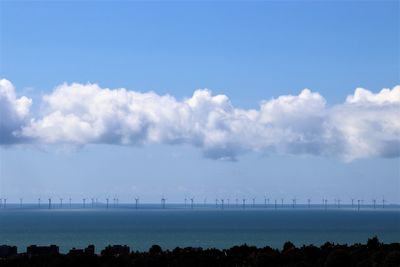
[14, 113]
[365, 125]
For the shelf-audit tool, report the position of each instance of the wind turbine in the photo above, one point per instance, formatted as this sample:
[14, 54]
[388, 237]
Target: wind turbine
[309, 203]
[191, 202]
[222, 203]
[50, 203]
[276, 205]
[84, 202]
[282, 202]
[244, 203]
[5, 202]
[136, 202]
[352, 203]
[216, 202]
[20, 202]
[92, 199]
[70, 202]
[294, 202]
[374, 203]
[358, 204]
[163, 202]
[107, 201]
[338, 203]
[61, 202]
[254, 202]
[39, 202]
[237, 202]
[1, 203]
[185, 202]
[229, 202]
[383, 202]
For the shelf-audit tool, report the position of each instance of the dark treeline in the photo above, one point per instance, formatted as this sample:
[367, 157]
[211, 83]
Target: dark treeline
[372, 254]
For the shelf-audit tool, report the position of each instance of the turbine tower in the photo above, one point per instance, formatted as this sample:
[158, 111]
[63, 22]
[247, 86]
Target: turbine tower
[163, 202]
[276, 205]
[84, 202]
[136, 202]
[293, 202]
[222, 203]
[383, 202]
[20, 202]
[61, 202]
[374, 203]
[254, 202]
[185, 202]
[358, 204]
[70, 202]
[39, 202]
[191, 202]
[244, 203]
[309, 203]
[107, 201]
[50, 203]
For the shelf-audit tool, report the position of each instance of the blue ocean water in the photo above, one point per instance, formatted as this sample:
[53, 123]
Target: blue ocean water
[200, 227]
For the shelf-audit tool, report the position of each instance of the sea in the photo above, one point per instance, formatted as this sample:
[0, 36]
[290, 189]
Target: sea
[205, 226]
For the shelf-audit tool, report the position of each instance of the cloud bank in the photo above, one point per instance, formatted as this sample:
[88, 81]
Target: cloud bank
[365, 125]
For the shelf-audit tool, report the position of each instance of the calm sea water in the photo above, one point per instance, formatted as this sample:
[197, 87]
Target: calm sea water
[205, 227]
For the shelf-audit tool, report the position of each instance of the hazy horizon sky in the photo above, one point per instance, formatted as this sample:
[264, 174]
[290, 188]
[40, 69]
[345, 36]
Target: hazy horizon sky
[219, 99]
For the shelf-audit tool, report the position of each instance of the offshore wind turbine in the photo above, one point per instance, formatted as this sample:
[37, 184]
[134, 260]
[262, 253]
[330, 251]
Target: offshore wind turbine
[352, 203]
[244, 203]
[61, 202]
[358, 204]
[39, 202]
[309, 203]
[20, 202]
[237, 202]
[163, 202]
[374, 203]
[84, 202]
[229, 202]
[293, 202]
[254, 202]
[185, 202]
[222, 203]
[49, 202]
[191, 202]
[70, 202]
[136, 202]
[282, 202]
[276, 205]
[383, 202]
[107, 202]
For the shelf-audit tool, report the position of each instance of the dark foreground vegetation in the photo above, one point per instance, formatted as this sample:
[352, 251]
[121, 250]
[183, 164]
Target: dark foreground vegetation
[372, 254]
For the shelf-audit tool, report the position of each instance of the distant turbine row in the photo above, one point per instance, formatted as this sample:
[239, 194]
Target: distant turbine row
[221, 203]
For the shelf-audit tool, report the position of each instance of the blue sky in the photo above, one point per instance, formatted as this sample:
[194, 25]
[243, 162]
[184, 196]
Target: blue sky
[249, 51]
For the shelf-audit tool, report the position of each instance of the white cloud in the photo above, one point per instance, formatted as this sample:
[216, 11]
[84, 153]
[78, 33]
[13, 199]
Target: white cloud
[365, 125]
[14, 113]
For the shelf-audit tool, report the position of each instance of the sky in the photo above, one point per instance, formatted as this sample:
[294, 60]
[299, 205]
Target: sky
[204, 99]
